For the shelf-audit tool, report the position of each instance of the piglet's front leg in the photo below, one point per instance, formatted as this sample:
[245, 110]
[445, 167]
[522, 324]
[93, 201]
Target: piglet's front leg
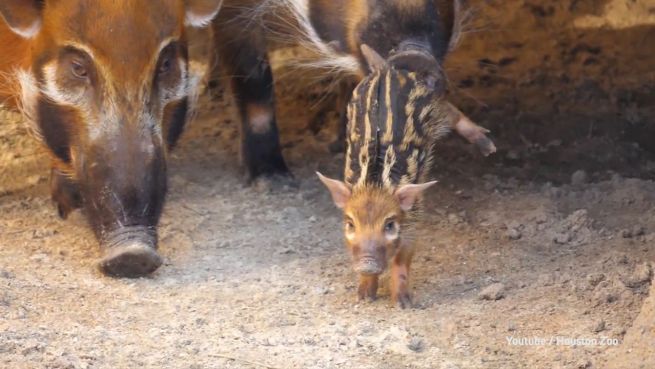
[368, 287]
[472, 132]
[400, 279]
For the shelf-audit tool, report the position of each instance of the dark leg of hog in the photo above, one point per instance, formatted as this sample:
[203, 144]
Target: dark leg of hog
[245, 60]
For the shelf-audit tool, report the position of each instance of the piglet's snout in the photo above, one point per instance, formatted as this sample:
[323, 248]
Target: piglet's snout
[370, 259]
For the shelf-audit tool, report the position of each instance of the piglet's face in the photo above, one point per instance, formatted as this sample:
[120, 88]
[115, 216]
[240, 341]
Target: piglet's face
[373, 220]
[372, 224]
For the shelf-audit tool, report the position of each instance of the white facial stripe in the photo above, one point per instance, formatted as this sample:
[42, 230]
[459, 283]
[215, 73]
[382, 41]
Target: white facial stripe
[391, 237]
[29, 93]
[105, 123]
[82, 47]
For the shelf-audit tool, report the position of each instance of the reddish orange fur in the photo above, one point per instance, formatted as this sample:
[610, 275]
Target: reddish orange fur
[15, 52]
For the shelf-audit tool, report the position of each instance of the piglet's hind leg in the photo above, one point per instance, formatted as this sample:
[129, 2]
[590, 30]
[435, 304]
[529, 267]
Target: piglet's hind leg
[472, 132]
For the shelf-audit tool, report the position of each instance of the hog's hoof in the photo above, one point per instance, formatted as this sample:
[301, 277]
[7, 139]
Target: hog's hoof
[274, 183]
[130, 261]
[282, 175]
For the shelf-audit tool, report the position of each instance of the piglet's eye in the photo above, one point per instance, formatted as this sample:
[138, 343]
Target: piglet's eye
[390, 226]
[350, 226]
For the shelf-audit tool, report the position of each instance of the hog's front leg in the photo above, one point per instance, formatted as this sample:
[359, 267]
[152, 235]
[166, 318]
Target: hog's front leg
[472, 132]
[368, 287]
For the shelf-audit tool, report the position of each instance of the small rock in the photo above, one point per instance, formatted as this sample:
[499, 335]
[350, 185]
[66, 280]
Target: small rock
[514, 234]
[562, 238]
[511, 327]
[287, 251]
[584, 364]
[454, 219]
[595, 278]
[7, 275]
[641, 275]
[513, 155]
[635, 231]
[415, 344]
[599, 326]
[492, 292]
[609, 292]
[638, 231]
[321, 290]
[39, 257]
[579, 178]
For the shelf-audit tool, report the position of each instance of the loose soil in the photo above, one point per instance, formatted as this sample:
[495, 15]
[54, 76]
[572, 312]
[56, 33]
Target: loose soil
[551, 238]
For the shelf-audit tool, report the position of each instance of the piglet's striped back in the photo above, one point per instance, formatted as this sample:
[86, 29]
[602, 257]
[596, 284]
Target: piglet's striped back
[394, 118]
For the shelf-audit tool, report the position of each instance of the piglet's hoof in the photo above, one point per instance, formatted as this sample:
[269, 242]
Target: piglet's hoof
[130, 261]
[485, 145]
[403, 300]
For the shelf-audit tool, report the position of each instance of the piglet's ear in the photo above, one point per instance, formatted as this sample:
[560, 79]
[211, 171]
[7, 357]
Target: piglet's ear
[408, 194]
[22, 16]
[200, 13]
[340, 190]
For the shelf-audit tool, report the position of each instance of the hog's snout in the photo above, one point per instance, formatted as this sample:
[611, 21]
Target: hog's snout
[130, 252]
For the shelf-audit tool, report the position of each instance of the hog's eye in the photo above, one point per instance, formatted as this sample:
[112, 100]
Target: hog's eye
[167, 58]
[79, 70]
[350, 226]
[165, 65]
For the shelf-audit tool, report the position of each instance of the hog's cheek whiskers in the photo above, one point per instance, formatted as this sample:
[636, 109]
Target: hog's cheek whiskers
[29, 93]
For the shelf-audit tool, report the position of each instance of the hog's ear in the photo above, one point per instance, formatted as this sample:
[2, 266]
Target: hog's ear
[200, 13]
[408, 194]
[22, 16]
[373, 59]
[340, 190]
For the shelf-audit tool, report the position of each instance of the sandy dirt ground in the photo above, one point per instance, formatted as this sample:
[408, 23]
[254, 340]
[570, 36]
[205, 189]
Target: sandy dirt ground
[550, 239]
